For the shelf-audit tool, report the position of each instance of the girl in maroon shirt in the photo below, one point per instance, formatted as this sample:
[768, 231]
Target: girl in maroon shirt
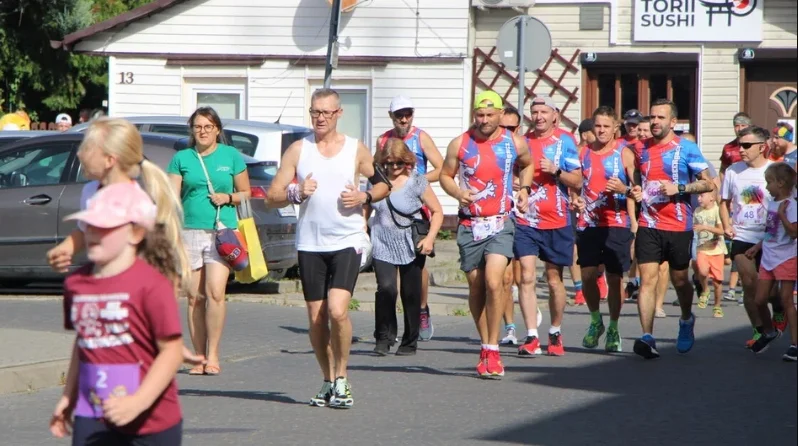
[121, 382]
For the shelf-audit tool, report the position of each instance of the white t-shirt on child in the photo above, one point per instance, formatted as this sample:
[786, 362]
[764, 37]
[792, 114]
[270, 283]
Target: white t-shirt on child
[778, 246]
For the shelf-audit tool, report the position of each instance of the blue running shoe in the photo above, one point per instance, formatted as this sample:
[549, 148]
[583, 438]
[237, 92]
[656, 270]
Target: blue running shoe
[686, 338]
[646, 347]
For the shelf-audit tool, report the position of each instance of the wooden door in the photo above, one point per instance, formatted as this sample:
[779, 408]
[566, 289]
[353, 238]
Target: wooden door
[771, 93]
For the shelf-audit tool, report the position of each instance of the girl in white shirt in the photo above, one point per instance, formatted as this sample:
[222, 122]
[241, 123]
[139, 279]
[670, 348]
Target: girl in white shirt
[779, 255]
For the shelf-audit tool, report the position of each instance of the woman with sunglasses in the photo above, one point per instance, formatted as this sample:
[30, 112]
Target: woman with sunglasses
[394, 246]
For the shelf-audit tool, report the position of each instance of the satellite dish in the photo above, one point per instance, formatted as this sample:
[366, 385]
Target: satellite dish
[346, 5]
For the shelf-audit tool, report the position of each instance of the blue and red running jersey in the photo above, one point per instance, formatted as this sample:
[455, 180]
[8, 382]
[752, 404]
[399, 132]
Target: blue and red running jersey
[678, 161]
[548, 201]
[602, 208]
[486, 169]
[413, 141]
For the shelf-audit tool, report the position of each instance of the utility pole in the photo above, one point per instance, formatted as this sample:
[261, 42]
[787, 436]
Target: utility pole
[332, 43]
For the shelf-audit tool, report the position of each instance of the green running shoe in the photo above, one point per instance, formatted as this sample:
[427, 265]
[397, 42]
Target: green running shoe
[594, 332]
[613, 341]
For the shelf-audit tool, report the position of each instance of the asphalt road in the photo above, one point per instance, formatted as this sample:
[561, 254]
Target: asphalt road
[719, 393]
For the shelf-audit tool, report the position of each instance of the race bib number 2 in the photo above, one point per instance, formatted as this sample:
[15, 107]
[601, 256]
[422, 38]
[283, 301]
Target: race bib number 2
[97, 382]
[483, 228]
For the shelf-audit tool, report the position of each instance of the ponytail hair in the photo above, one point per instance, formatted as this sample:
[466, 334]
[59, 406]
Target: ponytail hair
[164, 247]
[120, 139]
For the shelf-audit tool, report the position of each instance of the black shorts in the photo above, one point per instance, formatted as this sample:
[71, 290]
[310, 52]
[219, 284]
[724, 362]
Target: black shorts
[658, 246]
[611, 247]
[321, 271]
[95, 432]
[738, 248]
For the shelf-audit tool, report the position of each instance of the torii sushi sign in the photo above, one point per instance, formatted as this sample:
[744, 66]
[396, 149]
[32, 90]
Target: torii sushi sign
[698, 20]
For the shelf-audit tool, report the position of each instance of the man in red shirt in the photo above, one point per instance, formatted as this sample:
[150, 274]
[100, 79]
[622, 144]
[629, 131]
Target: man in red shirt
[731, 151]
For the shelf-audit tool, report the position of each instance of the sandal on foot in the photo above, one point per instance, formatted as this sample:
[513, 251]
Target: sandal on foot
[212, 370]
[197, 370]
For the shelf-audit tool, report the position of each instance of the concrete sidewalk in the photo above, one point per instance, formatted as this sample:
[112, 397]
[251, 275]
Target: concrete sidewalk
[32, 359]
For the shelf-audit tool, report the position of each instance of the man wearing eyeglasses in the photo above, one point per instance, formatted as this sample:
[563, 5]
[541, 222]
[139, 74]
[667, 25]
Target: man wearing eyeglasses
[330, 235]
[484, 157]
[743, 211]
[419, 142]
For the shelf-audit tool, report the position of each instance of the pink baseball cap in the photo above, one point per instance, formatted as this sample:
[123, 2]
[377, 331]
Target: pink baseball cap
[118, 204]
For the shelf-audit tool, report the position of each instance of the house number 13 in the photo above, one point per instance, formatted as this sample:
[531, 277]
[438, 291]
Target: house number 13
[126, 77]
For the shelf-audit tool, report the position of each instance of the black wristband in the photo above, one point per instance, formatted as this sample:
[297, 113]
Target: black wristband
[558, 173]
[368, 198]
[528, 189]
[231, 198]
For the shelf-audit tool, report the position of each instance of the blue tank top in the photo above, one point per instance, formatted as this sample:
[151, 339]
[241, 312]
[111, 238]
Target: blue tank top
[413, 141]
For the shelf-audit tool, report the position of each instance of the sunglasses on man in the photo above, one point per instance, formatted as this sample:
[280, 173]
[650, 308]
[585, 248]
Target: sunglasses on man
[511, 128]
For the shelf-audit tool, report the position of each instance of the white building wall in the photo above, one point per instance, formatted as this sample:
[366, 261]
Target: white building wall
[294, 27]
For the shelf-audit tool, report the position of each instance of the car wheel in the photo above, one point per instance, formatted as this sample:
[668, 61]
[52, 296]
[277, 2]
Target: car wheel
[277, 274]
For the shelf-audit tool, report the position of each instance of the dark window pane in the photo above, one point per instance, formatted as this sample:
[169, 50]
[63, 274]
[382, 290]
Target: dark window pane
[289, 138]
[244, 142]
[179, 130]
[658, 87]
[606, 88]
[682, 95]
[629, 96]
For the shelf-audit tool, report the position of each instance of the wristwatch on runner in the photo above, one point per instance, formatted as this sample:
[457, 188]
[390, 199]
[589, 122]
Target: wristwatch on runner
[681, 188]
[558, 173]
[528, 189]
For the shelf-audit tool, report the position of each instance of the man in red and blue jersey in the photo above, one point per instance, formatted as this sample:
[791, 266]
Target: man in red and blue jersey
[671, 170]
[606, 219]
[419, 142]
[484, 157]
[544, 229]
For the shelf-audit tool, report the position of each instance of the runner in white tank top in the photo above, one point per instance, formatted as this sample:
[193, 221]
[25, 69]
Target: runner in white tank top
[320, 173]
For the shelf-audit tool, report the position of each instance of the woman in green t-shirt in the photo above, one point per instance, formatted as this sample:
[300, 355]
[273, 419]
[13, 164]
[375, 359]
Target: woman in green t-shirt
[228, 176]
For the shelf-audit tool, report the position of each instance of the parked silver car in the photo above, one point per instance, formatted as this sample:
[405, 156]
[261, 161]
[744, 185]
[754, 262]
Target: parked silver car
[41, 182]
[261, 140]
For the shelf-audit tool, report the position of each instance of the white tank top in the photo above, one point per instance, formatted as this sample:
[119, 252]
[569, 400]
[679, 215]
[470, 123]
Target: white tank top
[325, 225]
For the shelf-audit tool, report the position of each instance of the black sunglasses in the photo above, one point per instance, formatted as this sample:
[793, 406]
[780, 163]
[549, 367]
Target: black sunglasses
[511, 128]
[395, 165]
[404, 114]
[748, 145]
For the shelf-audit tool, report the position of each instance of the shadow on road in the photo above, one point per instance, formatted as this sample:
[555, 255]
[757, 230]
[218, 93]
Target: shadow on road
[216, 430]
[408, 369]
[716, 394]
[277, 397]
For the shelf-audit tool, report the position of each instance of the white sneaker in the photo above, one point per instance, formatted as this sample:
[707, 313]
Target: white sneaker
[515, 294]
[730, 296]
[510, 339]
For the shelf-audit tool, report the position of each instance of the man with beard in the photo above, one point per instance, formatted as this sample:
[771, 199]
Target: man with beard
[484, 157]
[423, 147]
[671, 169]
[781, 146]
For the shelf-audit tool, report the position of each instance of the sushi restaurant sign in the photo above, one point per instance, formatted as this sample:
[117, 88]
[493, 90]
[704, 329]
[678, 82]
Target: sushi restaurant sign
[698, 20]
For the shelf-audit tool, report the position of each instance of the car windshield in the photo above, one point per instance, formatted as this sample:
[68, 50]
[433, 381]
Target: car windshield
[262, 170]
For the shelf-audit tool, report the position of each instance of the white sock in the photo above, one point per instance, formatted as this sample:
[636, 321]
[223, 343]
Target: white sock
[532, 332]
[554, 330]
[494, 348]
[485, 347]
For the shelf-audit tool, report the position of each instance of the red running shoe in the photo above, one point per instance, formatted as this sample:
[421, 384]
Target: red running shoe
[495, 367]
[555, 347]
[579, 299]
[604, 291]
[482, 365]
[530, 347]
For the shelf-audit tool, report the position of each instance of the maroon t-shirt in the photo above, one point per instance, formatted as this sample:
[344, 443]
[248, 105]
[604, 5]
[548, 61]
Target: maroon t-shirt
[730, 154]
[118, 321]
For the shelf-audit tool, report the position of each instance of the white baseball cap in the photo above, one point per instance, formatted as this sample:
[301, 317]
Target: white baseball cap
[63, 117]
[400, 103]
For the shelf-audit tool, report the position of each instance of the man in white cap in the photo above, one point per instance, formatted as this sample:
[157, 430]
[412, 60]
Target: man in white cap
[420, 143]
[63, 122]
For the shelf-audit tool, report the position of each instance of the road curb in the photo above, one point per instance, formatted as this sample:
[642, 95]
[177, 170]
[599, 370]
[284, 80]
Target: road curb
[31, 377]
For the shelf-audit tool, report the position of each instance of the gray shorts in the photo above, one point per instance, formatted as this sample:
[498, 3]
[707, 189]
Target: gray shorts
[472, 254]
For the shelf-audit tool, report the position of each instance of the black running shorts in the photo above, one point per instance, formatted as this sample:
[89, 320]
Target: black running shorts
[658, 246]
[321, 271]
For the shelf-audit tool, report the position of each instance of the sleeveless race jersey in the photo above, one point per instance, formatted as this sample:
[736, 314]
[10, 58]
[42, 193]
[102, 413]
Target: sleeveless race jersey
[548, 201]
[413, 141]
[603, 209]
[486, 168]
[677, 161]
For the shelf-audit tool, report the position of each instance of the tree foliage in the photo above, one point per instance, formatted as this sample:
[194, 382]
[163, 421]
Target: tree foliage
[42, 80]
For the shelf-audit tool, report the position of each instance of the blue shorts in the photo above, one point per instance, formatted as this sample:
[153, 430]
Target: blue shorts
[555, 246]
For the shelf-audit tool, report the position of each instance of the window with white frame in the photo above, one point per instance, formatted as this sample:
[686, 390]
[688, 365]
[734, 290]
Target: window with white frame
[226, 96]
[227, 105]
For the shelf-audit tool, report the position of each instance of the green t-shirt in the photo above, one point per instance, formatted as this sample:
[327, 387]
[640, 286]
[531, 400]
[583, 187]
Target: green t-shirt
[223, 164]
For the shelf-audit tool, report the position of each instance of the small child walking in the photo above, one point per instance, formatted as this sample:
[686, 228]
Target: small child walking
[779, 257]
[121, 386]
[710, 250]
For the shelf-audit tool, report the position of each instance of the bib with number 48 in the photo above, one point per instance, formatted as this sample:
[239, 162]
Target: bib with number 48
[97, 382]
[483, 228]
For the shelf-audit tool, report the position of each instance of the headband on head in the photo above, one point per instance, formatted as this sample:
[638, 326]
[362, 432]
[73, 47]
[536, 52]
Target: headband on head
[783, 131]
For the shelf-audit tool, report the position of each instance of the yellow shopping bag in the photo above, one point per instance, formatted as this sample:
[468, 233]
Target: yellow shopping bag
[257, 269]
